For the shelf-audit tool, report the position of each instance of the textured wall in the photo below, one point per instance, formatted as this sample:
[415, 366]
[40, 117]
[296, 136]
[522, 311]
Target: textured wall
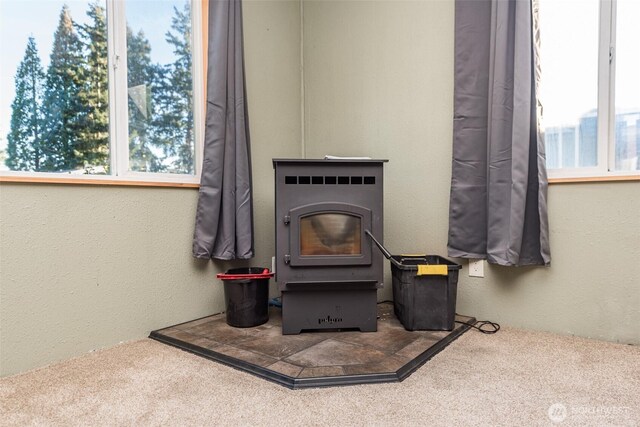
[83, 267]
[592, 288]
[379, 82]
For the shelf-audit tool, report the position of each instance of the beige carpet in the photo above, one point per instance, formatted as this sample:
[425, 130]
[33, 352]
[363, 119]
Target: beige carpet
[511, 379]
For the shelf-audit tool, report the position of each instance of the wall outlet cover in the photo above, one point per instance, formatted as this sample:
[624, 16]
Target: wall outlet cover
[476, 268]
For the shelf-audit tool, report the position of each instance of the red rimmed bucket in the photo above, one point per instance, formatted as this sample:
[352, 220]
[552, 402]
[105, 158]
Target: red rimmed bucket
[246, 295]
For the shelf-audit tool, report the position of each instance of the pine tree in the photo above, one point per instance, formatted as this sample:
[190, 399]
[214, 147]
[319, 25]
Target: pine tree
[64, 112]
[141, 77]
[175, 118]
[92, 148]
[24, 140]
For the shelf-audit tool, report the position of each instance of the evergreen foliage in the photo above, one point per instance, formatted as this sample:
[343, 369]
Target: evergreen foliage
[63, 107]
[174, 122]
[24, 140]
[93, 146]
[141, 77]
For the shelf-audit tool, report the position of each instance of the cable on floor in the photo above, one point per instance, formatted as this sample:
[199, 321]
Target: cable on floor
[480, 326]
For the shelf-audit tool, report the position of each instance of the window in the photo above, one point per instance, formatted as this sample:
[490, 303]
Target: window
[106, 88]
[590, 87]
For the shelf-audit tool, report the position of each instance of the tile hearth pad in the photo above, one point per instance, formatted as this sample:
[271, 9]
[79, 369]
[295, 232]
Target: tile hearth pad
[313, 359]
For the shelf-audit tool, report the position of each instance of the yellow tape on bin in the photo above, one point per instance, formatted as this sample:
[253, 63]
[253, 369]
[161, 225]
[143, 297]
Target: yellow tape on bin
[433, 270]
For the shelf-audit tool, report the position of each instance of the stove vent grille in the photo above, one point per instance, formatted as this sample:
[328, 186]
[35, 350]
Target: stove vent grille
[329, 180]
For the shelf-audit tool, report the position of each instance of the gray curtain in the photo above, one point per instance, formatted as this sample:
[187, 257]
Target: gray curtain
[498, 204]
[224, 217]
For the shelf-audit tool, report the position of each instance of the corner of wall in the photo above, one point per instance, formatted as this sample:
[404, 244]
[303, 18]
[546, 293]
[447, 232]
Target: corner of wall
[303, 114]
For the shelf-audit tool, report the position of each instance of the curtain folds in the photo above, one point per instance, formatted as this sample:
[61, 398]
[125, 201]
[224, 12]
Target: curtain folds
[498, 203]
[224, 216]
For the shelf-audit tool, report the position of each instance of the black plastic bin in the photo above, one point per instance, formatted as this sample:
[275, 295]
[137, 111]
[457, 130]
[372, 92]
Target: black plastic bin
[246, 296]
[424, 292]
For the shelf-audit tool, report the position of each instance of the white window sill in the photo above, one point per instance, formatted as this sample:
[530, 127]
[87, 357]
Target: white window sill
[573, 176]
[129, 181]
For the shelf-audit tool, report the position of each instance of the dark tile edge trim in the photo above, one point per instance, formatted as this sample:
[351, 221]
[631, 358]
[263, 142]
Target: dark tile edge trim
[421, 359]
[342, 380]
[184, 323]
[314, 382]
[224, 359]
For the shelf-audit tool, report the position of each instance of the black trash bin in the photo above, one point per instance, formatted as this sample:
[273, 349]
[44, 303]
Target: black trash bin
[424, 291]
[246, 296]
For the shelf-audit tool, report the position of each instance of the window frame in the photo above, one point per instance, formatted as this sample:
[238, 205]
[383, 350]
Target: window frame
[118, 114]
[604, 169]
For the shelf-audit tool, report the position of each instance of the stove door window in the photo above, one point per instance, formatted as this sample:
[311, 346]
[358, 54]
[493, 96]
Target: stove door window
[330, 234]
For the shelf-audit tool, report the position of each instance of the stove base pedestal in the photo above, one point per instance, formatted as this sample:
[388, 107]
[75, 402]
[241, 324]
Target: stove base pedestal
[317, 310]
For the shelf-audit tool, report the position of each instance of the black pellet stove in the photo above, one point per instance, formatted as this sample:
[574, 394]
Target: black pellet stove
[326, 266]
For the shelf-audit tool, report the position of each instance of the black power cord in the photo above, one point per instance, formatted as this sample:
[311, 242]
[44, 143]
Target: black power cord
[480, 326]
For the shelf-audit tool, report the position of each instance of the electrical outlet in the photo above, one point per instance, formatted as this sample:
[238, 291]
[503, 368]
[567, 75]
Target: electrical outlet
[476, 267]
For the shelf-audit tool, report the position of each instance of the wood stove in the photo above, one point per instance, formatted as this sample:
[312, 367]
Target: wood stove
[326, 266]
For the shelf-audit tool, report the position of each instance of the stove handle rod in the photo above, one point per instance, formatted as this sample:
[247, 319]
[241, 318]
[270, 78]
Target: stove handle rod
[384, 250]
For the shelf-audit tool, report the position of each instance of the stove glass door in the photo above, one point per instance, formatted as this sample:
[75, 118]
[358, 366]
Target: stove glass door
[330, 234]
